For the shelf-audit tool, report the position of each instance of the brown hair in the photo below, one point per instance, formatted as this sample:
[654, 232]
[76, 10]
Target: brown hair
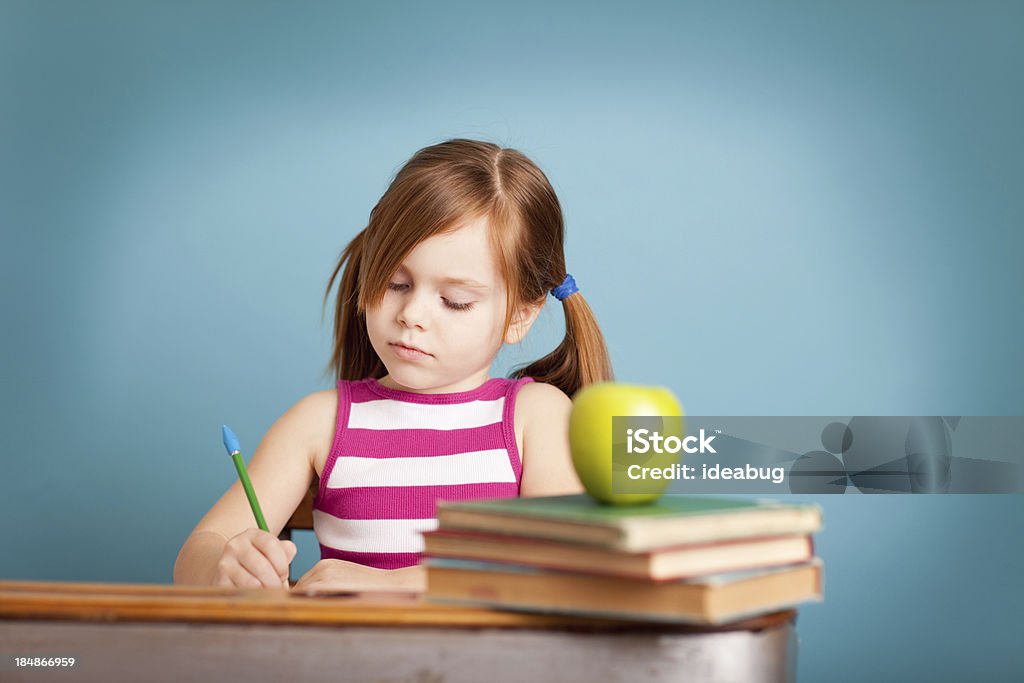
[436, 191]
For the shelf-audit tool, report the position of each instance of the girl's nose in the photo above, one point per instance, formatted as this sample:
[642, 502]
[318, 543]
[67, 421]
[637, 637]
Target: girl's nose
[413, 312]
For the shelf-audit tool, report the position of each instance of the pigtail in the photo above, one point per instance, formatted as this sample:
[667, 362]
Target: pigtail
[352, 357]
[582, 357]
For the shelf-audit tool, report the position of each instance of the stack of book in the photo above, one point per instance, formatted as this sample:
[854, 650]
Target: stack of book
[682, 559]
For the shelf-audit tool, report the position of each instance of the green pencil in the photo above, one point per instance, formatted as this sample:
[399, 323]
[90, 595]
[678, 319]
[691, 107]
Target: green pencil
[235, 451]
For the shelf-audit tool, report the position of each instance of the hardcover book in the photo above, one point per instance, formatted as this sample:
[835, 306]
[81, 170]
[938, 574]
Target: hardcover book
[665, 563]
[672, 520]
[713, 599]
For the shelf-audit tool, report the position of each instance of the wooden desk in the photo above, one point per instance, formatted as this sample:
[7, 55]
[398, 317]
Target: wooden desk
[172, 633]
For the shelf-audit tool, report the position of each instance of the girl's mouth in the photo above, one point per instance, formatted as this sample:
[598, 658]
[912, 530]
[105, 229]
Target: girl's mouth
[409, 353]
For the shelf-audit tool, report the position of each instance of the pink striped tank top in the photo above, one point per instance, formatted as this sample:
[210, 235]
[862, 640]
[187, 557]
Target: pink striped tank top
[396, 453]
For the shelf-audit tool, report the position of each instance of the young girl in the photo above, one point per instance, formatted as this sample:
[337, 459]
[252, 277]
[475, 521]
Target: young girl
[457, 260]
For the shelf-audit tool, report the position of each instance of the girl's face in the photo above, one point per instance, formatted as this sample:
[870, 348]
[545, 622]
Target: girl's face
[441, 321]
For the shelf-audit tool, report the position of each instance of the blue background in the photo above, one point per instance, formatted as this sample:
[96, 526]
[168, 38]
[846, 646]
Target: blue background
[778, 210]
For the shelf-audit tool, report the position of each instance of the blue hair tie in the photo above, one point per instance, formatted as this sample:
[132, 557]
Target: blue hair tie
[567, 288]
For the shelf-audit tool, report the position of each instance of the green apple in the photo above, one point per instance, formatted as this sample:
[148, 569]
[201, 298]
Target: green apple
[598, 455]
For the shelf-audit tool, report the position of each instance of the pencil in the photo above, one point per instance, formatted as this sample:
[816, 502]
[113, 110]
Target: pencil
[235, 451]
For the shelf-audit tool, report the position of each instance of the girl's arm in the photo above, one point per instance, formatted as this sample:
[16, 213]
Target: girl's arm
[332, 576]
[547, 463]
[226, 548]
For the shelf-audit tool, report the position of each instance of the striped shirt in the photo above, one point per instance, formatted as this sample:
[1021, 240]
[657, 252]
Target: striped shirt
[396, 453]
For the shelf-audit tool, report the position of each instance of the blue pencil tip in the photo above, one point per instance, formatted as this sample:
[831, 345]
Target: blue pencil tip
[230, 440]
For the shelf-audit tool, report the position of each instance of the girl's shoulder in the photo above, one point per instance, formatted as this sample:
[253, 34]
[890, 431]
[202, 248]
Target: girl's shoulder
[318, 402]
[539, 392]
[545, 452]
[540, 402]
[312, 419]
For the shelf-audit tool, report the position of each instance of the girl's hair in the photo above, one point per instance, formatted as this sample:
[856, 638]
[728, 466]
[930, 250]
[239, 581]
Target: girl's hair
[436, 191]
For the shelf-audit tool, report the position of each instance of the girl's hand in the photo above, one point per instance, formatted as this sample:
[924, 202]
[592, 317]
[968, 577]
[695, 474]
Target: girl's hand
[329, 576]
[254, 559]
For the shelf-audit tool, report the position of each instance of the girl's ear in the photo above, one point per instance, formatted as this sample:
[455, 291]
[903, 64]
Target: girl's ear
[522, 321]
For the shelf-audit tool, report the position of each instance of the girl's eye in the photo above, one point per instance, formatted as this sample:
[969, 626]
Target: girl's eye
[457, 306]
[454, 305]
